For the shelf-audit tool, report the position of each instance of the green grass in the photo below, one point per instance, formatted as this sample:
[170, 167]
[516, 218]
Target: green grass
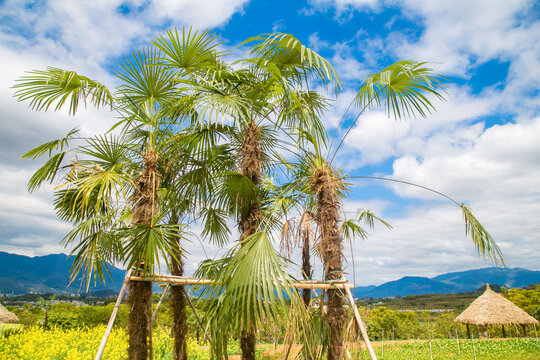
[511, 349]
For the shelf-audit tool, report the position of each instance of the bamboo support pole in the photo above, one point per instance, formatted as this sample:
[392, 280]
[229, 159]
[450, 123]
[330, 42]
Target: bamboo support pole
[382, 343]
[113, 316]
[196, 315]
[159, 302]
[360, 324]
[179, 280]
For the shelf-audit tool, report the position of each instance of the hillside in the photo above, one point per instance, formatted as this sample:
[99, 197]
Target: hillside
[46, 274]
[455, 282]
[50, 274]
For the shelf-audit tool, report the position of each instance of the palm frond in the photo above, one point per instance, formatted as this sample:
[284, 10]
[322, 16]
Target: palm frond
[302, 115]
[368, 218]
[350, 230]
[70, 206]
[189, 52]
[44, 88]
[96, 245]
[483, 242]
[401, 86]
[99, 187]
[287, 52]
[108, 151]
[215, 226]
[49, 147]
[147, 243]
[251, 286]
[46, 173]
[234, 192]
[145, 81]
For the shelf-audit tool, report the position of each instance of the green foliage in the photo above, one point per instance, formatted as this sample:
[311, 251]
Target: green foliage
[53, 85]
[513, 349]
[526, 299]
[484, 243]
[401, 86]
[250, 287]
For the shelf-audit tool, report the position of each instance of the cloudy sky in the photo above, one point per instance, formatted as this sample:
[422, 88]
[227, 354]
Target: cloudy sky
[481, 147]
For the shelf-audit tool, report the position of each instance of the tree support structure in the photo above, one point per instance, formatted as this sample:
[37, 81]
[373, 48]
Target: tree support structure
[183, 280]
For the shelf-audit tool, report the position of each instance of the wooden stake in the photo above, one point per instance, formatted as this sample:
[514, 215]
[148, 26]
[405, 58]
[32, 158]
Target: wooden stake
[113, 316]
[360, 324]
[457, 340]
[473, 348]
[382, 343]
[159, 302]
[196, 315]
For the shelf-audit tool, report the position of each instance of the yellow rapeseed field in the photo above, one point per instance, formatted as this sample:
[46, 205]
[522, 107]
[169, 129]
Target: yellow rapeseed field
[59, 344]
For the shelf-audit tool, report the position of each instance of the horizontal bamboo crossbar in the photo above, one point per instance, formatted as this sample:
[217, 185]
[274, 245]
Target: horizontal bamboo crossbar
[182, 280]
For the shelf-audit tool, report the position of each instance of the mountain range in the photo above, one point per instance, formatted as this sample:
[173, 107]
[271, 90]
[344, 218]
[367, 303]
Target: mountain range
[51, 274]
[455, 282]
[47, 274]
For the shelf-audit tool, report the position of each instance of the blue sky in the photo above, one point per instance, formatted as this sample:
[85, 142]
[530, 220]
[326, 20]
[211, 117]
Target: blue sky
[481, 147]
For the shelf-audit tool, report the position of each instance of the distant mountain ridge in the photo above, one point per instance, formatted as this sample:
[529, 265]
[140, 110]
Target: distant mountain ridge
[21, 274]
[455, 282]
[50, 274]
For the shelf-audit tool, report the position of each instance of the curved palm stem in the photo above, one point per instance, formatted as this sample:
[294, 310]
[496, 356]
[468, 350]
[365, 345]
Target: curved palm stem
[483, 241]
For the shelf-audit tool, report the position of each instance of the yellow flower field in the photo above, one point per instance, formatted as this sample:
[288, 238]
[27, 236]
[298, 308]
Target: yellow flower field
[59, 344]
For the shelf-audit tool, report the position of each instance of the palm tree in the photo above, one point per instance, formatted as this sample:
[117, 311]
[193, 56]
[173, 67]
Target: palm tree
[402, 87]
[194, 158]
[264, 91]
[300, 232]
[110, 190]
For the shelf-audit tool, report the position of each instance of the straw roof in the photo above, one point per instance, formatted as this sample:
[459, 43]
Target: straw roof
[6, 316]
[492, 309]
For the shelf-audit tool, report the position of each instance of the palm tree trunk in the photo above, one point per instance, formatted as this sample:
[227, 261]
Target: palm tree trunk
[250, 166]
[306, 267]
[178, 304]
[140, 292]
[324, 184]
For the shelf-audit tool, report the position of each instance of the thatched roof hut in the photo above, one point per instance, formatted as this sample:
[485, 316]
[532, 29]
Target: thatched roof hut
[493, 309]
[6, 316]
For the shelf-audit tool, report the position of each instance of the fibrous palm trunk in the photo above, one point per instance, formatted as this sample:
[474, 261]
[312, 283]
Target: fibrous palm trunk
[140, 292]
[250, 166]
[306, 266]
[325, 184]
[178, 304]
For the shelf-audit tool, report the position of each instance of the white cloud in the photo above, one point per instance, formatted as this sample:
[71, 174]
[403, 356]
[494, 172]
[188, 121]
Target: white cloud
[375, 137]
[500, 162]
[80, 36]
[460, 36]
[202, 13]
[495, 170]
[496, 173]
